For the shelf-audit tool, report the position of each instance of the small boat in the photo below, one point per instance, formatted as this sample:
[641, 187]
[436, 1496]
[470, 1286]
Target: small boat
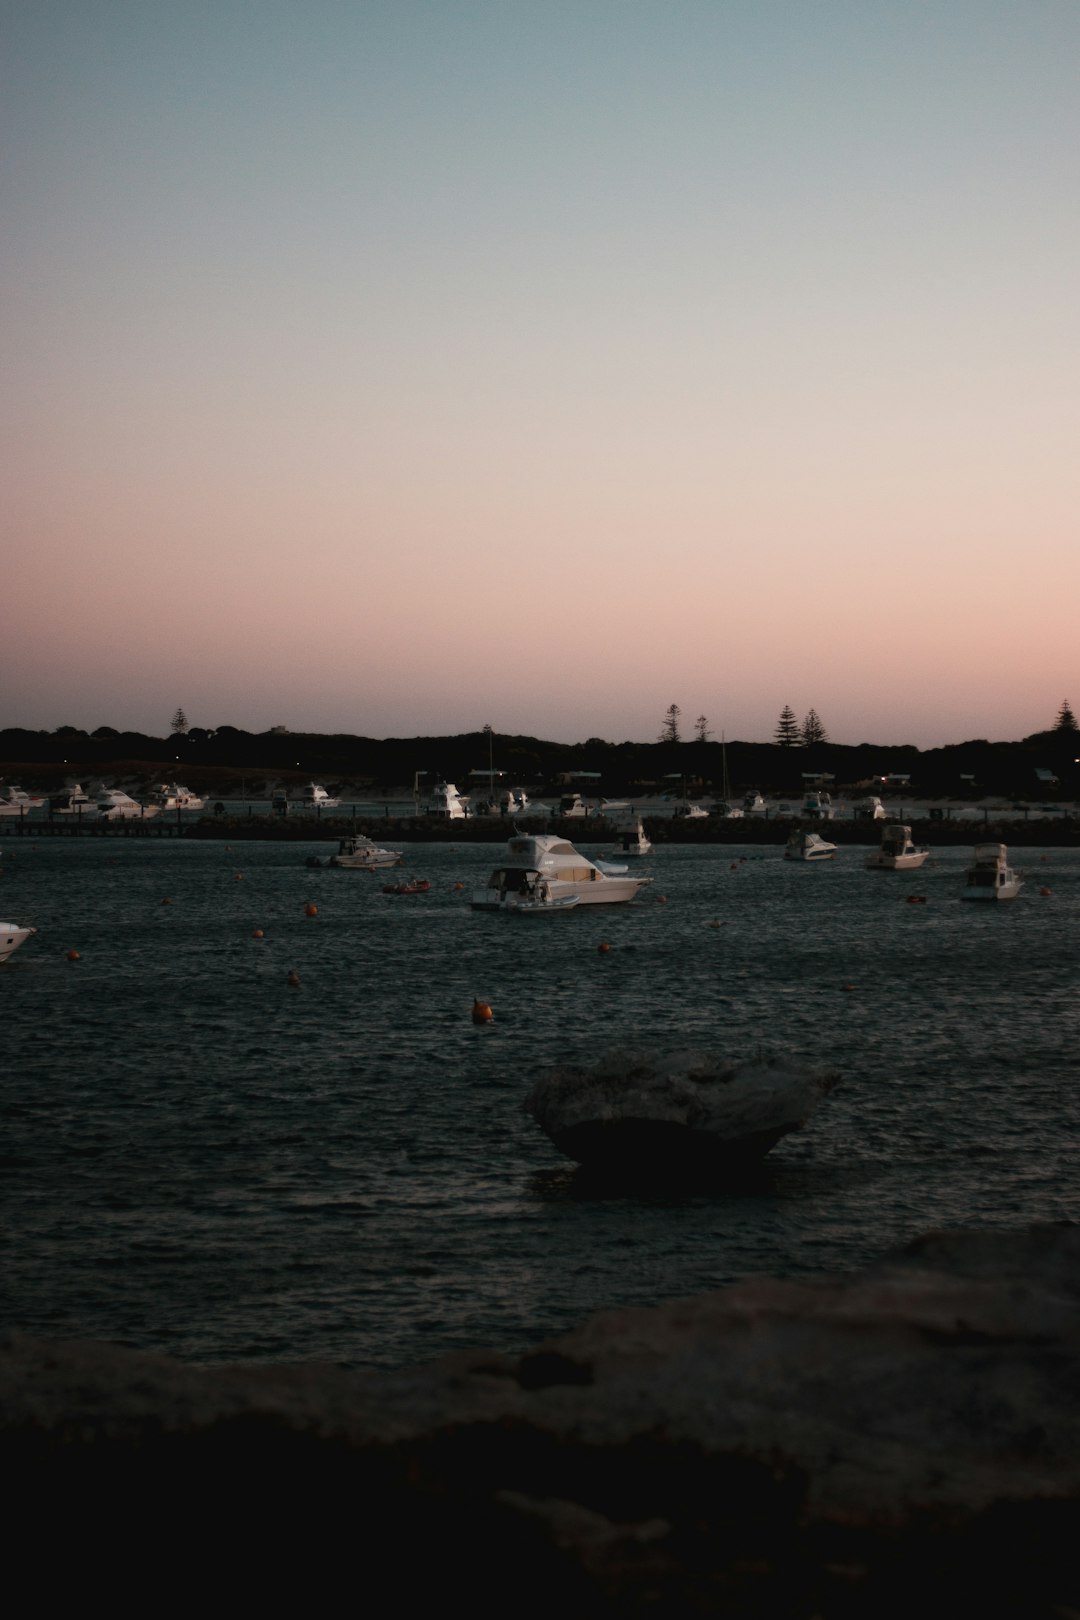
[808, 846]
[171, 796]
[689, 812]
[314, 797]
[753, 804]
[817, 806]
[361, 854]
[542, 868]
[870, 808]
[990, 877]
[447, 801]
[11, 937]
[72, 802]
[15, 801]
[408, 886]
[633, 841]
[726, 811]
[897, 852]
[113, 804]
[572, 806]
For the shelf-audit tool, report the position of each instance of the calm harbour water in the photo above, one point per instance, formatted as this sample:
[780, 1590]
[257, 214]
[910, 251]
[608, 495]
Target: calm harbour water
[199, 1159]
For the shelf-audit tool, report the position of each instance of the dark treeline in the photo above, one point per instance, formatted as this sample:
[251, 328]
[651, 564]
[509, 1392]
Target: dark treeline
[202, 757]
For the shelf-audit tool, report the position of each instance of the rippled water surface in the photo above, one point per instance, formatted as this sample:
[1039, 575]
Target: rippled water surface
[201, 1159]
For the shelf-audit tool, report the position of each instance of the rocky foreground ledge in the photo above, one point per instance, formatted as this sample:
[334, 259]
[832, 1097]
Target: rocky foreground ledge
[904, 1441]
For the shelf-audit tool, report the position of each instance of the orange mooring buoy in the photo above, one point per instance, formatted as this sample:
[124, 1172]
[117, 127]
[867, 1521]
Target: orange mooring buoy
[293, 979]
[73, 956]
[459, 886]
[311, 910]
[1045, 890]
[258, 934]
[847, 987]
[481, 1012]
[603, 946]
[238, 877]
[916, 899]
[166, 901]
[661, 899]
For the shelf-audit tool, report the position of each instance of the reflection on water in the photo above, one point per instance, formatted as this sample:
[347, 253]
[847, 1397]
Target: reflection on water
[203, 1159]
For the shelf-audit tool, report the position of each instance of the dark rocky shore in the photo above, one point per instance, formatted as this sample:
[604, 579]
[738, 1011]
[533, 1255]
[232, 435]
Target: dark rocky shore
[902, 1441]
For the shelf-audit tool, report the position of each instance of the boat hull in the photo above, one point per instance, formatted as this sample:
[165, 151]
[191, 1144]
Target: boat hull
[11, 938]
[897, 863]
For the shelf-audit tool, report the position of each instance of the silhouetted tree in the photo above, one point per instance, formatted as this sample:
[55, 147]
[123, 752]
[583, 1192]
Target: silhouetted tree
[180, 722]
[669, 732]
[812, 730]
[1066, 720]
[787, 731]
[701, 729]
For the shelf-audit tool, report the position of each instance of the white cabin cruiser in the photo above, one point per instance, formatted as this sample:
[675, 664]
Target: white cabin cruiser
[172, 796]
[753, 804]
[447, 801]
[11, 937]
[113, 804]
[897, 852]
[817, 806]
[363, 855]
[572, 805]
[808, 846]
[314, 797]
[990, 877]
[689, 812]
[726, 811]
[15, 801]
[633, 840]
[870, 808]
[72, 802]
[545, 872]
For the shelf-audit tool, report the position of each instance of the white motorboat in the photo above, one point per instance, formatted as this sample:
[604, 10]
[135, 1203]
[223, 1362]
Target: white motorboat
[753, 804]
[870, 808]
[897, 852]
[11, 937]
[817, 806]
[314, 797]
[689, 812]
[726, 811]
[72, 802]
[990, 877]
[633, 840]
[15, 801]
[447, 801]
[808, 846]
[363, 855]
[511, 802]
[113, 804]
[171, 796]
[542, 871]
[572, 806]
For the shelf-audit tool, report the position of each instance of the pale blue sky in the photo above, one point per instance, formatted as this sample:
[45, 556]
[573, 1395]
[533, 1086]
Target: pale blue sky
[400, 367]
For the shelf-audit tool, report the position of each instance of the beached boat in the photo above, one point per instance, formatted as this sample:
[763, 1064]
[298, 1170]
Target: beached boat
[897, 852]
[633, 840]
[990, 877]
[11, 937]
[808, 846]
[541, 869]
[113, 804]
[15, 801]
[172, 796]
[357, 853]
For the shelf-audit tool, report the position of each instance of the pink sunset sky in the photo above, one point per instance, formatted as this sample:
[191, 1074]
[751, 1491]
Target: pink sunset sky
[398, 368]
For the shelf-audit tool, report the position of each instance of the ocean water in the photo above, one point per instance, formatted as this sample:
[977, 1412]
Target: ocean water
[200, 1159]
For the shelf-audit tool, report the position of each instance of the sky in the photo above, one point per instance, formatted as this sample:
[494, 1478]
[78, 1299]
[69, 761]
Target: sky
[398, 368]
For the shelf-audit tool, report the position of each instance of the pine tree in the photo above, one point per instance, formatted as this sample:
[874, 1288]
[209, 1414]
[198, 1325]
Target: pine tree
[179, 722]
[1066, 720]
[669, 732]
[701, 729]
[812, 730]
[787, 732]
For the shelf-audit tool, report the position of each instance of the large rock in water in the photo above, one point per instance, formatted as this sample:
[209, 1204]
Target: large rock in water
[685, 1109]
[896, 1443]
